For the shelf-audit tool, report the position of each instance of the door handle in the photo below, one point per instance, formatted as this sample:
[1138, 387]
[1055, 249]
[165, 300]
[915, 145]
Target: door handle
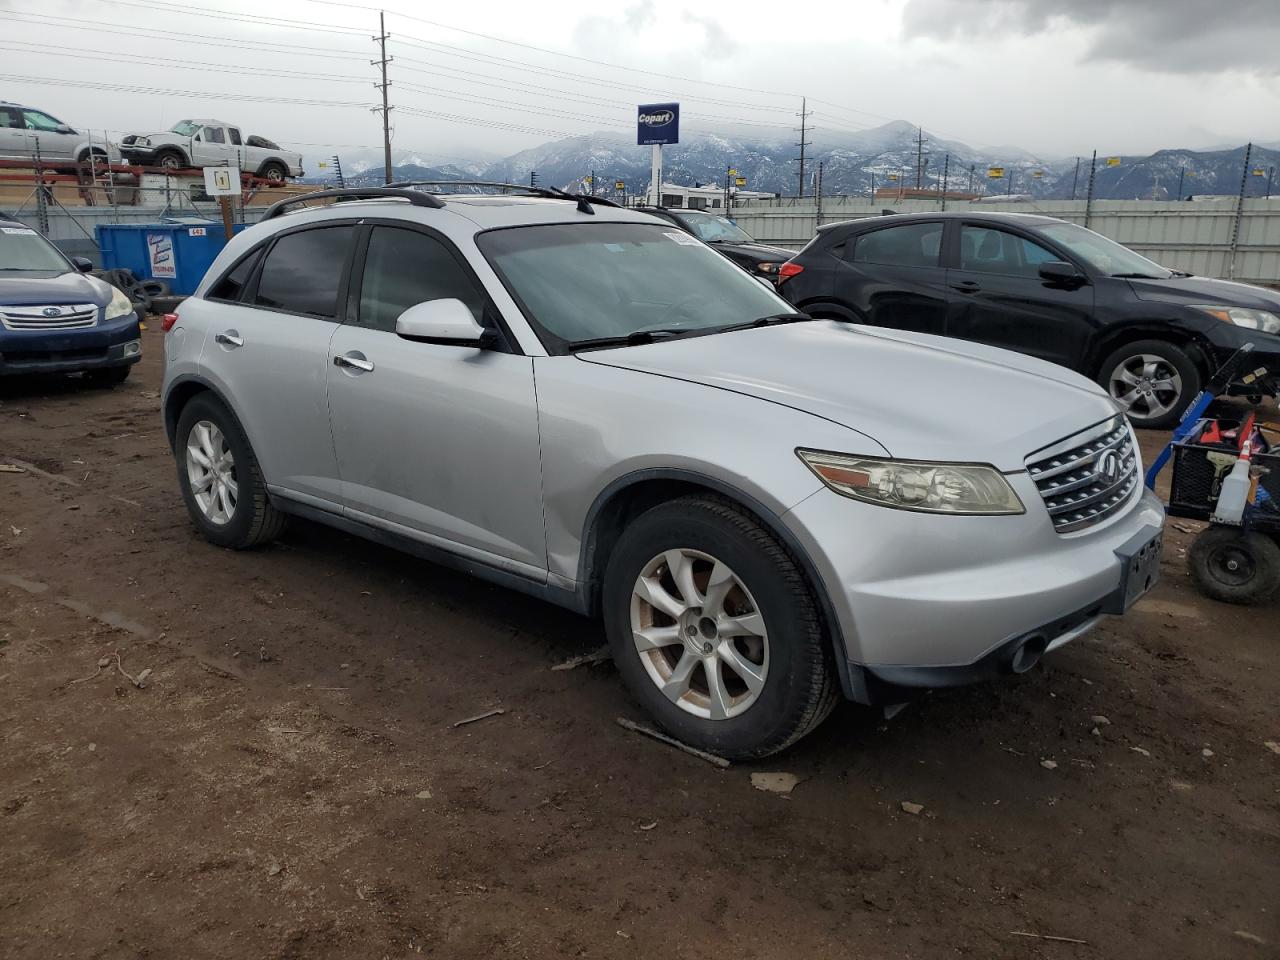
[229, 339]
[356, 363]
[966, 286]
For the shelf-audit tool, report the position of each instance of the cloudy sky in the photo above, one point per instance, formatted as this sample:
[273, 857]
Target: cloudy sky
[484, 80]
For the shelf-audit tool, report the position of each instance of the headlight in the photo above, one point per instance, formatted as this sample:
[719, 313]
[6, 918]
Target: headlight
[142, 141]
[929, 487]
[769, 268]
[1262, 320]
[119, 306]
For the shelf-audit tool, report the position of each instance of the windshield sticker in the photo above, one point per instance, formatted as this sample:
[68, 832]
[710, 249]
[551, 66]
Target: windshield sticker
[18, 230]
[683, 239]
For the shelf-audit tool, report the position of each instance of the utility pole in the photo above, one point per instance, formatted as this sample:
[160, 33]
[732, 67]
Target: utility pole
[804, 138]
[1182, 172]
[1075, 179]
[593, 182]
[971, 166]
[818, 194]
[1088, 197]
[1271, 170]
[920, 142]
[1009, 193]
[873, 184]
[1235, 223]
[946, 168]
[337, 169]
[381, 63]
[533, 178]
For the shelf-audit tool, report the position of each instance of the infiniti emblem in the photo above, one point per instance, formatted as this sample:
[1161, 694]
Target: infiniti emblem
[1108, 467]
[52, 311]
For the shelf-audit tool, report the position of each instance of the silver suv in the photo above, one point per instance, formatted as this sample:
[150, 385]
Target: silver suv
[586, 404]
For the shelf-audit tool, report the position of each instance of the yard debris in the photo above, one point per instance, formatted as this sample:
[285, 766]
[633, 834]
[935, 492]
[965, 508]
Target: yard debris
[915, 809]
[595, 656]
[671, 742]
[15, 530]
[1206, 753]
[1184, 528]
[1141, 750]
[481, 716]
[274, 870]
[423, 795]
[1246, 935]
[1179, 786]
[1045, 936]
[775, 782]
[1049, 764]
[11, 468]
[1271, 745]
[1096, 732]
[648, 826]
[1098, 720]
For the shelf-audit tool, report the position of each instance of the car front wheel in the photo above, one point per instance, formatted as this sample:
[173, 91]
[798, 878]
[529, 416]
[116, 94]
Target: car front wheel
[1154, 380]
[715, 629]
[221, 481]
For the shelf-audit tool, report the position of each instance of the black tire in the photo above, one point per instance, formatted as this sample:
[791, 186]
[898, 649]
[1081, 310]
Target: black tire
[253, 521]
[274, 171]
[171, 158]
[799, 687]
[108, 376]
[1164, 407]
[155, 288]
[1233, 566]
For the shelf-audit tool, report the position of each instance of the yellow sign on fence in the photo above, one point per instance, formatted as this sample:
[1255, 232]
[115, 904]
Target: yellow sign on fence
[741, 181]
[995, 173]
[1113, 161]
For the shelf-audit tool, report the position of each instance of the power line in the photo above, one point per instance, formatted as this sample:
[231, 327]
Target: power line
[169, 92]
[215, 14]
[804, 140]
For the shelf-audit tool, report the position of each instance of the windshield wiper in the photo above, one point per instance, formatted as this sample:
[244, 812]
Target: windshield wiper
[770, 321]
[632, 339]
[1137, 276]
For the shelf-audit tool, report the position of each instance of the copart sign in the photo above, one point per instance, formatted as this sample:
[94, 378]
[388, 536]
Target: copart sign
[658, 123]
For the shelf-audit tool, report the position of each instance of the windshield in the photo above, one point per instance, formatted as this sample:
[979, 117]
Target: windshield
[24, 253]
[185, 128]
[712, 229]
[581, 282]
[1105, 256]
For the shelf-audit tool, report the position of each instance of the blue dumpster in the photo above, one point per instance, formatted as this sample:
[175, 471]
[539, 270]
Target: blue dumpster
[177, 252]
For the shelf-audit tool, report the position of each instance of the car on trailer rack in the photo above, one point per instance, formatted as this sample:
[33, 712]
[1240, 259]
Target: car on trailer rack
[192, 144]
[56, 319]
[577, 402]
[29, 134]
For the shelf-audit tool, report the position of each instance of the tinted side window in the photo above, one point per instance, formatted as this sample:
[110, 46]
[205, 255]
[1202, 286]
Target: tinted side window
[910, 245]
[9, 118]
[214, 135]
[404, 267]
[303, 271]
[235, 135]
[995, 251]
[231, 286]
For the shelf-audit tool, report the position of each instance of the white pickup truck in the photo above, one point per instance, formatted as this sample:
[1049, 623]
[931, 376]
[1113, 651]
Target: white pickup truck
[211, 143]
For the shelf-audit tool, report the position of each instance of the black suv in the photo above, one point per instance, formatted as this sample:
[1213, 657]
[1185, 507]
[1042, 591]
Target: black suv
[1043, 287]
[726, 237]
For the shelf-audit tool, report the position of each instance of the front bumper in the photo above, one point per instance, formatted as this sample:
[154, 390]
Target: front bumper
[113, 344]
[139, 156]
[928, 601]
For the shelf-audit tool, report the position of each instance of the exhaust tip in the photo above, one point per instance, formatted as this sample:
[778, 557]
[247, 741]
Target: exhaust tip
[1028, 653]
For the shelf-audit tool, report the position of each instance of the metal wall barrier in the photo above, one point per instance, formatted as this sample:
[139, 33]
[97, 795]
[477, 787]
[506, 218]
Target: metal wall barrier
[1195, 236]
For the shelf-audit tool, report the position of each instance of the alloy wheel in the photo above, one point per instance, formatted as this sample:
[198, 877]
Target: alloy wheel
[1147, 384]
[211, 471]
[700, 634]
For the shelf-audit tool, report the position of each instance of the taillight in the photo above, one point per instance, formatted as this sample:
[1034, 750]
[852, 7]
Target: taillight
[789, 270]
[167, 321]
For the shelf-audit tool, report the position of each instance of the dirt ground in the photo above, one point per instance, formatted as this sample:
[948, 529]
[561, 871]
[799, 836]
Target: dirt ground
[289, 783]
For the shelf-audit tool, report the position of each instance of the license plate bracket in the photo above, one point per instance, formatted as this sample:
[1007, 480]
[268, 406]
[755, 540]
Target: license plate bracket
[1140, 568]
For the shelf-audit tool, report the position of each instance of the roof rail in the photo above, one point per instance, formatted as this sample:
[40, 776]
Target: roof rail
[549, 193]
[415, 197]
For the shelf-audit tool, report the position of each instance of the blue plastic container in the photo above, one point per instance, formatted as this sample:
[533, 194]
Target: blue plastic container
[177, 253]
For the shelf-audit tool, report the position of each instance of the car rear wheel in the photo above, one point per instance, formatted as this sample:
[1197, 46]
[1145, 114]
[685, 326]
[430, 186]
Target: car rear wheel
[1235, 566]
[715, 630]
[273, 172]
[221, 481]
[1154, 380]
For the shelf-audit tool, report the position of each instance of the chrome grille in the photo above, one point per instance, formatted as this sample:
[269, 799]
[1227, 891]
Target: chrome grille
[49, 316]
[1087, 477]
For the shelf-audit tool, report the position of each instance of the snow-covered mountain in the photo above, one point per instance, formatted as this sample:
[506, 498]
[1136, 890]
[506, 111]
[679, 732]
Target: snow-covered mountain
[852, 162]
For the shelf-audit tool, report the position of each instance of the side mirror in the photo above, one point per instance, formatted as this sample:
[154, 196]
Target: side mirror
[63, 128]
[446, 321]
[1065, 274]
[83, 264]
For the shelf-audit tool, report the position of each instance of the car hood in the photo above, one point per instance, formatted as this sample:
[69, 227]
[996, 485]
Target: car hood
[66, 288]
[759, 252]
[1206, 290]
[920, 397]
